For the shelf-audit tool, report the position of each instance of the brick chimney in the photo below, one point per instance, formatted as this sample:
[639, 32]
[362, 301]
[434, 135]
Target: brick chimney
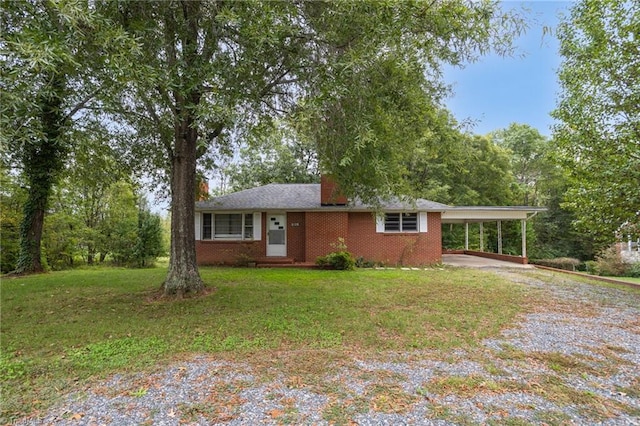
[329, 193]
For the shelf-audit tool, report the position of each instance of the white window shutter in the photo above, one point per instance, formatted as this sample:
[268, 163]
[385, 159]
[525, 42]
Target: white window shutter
[423, 221]
[257, 226]
[379, 223]
[198, 226]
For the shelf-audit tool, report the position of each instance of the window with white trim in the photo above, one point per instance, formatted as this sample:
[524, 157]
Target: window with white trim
[227, 226]
[401, 222]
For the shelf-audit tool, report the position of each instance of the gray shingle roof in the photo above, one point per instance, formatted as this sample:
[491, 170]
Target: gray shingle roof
[301, 197]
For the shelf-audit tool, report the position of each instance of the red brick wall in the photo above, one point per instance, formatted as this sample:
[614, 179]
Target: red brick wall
[209, 252]
[295, 236]
[409, 249]
[322, 229]
[317, 233]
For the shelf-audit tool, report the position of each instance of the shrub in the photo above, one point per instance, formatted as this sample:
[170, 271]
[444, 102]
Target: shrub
[361, 262]
[591, 266]
[566, 263]
[609, 262]
[634, 270]
[341, 260]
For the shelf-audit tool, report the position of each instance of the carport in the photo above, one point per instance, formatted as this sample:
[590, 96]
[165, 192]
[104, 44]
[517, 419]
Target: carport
[481, 214]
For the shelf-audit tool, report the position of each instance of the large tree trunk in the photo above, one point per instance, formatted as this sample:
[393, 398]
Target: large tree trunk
[183, 276]
[30, 259]
[42, 160]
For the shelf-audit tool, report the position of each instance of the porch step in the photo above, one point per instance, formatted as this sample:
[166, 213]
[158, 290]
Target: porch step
[288, 265]
[274, 261]
[282, 262]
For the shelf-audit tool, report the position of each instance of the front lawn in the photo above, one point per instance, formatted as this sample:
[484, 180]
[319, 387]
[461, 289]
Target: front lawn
[60, 329]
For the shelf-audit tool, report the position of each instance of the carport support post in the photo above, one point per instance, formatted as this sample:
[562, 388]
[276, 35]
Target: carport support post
[466, 235]
[524, 238]
[481, 236]
[499, 237]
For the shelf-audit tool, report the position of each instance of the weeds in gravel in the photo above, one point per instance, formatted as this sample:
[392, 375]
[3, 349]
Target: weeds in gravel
[509, 421]
[341, 412]
[553, 417]
[564, 364]
[589, 404]
[389, 398]
[633, 390]
[469, 386]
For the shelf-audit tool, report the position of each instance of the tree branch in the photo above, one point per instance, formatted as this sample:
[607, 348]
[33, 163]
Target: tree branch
[154, 116]
[80, 105]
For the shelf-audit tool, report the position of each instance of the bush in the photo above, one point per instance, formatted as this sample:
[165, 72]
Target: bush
[634, 270]
[341, 260]
[610, 263]
[591, 266]
[566, 263]
[361, 262]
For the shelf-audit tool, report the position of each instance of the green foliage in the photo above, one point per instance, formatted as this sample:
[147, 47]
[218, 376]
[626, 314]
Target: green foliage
[591, 267]
[528, 158]
[12, 196]
[12, 367]
[274, 156]
[339, 260]
[556, 232]
[149, 238]
[633, 270]
[566, 263]
[462, 169]
[359, 79]
[62, 236]
[116, 353]
[57, 57]
[599, 115]
[610, 263]
[380, 107]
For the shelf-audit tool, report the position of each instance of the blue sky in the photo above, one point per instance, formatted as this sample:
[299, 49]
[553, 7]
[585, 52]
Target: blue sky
[497, 91]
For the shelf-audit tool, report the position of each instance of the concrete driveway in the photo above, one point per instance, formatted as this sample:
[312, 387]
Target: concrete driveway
[465, 260]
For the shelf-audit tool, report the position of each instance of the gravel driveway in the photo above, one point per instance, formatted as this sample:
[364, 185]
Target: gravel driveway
[572, 358]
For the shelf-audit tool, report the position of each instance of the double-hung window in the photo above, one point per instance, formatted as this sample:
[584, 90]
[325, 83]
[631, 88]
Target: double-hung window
[227, 226]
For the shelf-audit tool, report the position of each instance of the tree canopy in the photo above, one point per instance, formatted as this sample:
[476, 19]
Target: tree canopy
[359, 78]
[598, 133]
[57, 57]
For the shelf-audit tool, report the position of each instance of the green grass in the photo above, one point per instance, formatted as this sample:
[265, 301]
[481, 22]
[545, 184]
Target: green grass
[628, 279]
[63, 328]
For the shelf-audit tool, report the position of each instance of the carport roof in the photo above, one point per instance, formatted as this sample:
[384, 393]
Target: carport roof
[474, 214]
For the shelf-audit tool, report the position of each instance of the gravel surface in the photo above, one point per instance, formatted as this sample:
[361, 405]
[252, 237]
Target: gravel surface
[573, 360]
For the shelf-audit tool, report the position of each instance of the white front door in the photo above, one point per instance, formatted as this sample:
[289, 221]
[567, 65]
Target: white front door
[276, 235]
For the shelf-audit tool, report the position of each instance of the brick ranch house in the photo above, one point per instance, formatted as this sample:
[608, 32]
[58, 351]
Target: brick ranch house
[296, 223]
